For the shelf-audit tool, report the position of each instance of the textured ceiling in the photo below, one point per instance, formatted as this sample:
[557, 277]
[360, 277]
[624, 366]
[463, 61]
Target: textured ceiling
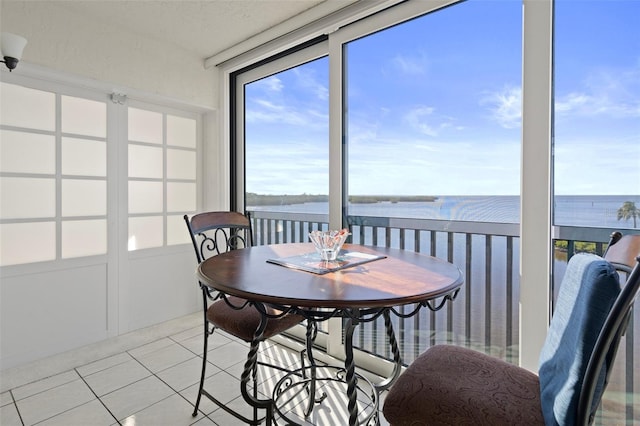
[205, 27]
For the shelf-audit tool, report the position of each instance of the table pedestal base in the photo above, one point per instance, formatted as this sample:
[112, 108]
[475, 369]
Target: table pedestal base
[291, 397]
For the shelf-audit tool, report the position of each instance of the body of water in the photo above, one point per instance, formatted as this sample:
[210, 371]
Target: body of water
[598, 211]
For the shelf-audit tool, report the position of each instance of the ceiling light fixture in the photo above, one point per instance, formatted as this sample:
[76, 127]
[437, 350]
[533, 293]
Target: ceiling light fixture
[11, 47]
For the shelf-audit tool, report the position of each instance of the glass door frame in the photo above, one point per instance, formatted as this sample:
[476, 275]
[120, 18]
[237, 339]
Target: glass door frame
[239, 80]
[535, 224]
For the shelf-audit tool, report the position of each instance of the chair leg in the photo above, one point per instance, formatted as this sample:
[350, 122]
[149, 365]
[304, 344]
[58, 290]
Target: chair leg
[204, 360]
[255, 390]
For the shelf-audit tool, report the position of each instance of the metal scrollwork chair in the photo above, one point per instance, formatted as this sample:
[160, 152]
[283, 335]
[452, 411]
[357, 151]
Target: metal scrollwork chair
[450, 385]
[213, 233]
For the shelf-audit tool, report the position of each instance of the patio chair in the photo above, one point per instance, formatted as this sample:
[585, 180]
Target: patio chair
[453, 385]
[213, 233]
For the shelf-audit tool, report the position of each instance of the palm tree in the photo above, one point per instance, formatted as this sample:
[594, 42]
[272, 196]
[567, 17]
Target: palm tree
[629, 211]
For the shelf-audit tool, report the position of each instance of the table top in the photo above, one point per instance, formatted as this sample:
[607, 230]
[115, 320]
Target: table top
[400, 278]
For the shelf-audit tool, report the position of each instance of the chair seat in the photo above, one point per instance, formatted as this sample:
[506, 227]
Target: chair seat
[452, 385]
[243, 322]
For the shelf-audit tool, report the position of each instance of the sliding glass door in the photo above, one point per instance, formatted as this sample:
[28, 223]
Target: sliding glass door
[433, 113]
[284, 134]
[597, 155]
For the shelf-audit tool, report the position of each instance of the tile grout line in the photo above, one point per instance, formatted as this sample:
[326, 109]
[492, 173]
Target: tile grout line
[97, 397]
[15, 404]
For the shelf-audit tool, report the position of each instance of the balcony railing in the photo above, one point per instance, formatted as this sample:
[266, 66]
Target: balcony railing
[485, 315]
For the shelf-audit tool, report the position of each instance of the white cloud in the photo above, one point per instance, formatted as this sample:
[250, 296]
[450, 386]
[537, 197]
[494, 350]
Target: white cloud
[505, 106]
[300, 100]
[264, 111]
[571, 102]
[582, 104]
[424, 120]
[411, 65]
[268, 105]
[270, 84]
[306, 78]
[605, 92]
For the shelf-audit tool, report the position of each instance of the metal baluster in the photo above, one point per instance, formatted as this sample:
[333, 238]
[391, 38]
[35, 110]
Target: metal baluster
[509, 307]
[487, 290]
[467, 290]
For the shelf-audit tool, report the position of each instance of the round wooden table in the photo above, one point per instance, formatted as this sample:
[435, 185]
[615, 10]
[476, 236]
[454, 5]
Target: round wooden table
[365, 290]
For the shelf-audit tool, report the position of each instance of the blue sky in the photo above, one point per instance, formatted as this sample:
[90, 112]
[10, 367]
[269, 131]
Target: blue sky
[434, 107]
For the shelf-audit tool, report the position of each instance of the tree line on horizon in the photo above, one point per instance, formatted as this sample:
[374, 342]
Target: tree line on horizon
[253, 199]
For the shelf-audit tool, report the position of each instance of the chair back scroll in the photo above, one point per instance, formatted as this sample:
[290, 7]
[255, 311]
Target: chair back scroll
[624, 254]
[213, 233]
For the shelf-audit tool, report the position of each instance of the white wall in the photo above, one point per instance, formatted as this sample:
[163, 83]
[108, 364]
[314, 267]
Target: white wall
[160, 288]
[64, 41]
[49, 312]
[50, 309]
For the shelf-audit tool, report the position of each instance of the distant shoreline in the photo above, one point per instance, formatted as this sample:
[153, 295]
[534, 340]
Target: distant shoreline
[369, 199]
[285, 199]
[569, 210]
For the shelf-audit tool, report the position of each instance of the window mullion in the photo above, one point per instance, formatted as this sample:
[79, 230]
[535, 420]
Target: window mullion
[535, 227]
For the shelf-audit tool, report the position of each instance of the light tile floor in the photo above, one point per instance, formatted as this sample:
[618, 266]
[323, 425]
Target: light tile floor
[153, 384]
